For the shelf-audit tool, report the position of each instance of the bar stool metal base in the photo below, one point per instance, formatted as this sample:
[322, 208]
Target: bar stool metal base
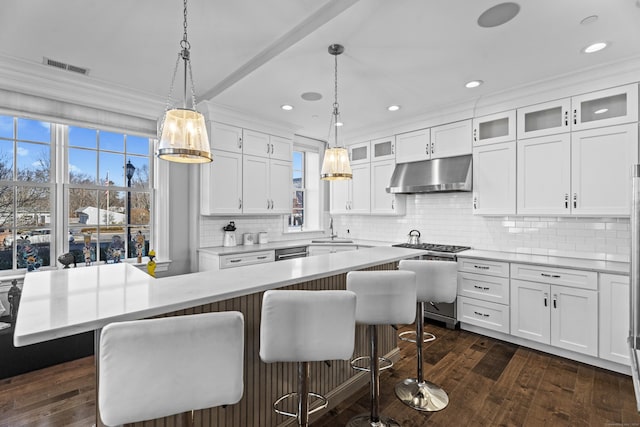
[383, 362]
[364, 420]
[422, 396]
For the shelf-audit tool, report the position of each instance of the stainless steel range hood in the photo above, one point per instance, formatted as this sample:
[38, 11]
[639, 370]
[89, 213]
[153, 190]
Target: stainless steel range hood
[431, 176]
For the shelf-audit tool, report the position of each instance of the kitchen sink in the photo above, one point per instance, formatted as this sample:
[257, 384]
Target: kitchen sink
[332, 241]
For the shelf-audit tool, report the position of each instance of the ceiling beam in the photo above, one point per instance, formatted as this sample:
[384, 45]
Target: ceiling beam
[326, 13]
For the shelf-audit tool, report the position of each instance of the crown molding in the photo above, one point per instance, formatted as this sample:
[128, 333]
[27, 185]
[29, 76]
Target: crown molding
[18, 75]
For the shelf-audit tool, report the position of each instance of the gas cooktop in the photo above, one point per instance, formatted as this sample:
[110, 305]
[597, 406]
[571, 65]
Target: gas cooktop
[433, 247]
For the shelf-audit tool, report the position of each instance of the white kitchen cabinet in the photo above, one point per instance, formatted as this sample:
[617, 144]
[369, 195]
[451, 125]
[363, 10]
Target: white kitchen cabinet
[225, 137]
[494, 128]
[266, 185]
[483, 293]
[264, 145]
[544, 175]
[614, 318]
[453, 139]
[494, 179]
[208, 261]
[352, 196]
[360, 153]
[544, 119]
[221, 184]
[608, 107]
[601, 161]
[545, 311]
[413, 146]
[383, 149]
[383, 203]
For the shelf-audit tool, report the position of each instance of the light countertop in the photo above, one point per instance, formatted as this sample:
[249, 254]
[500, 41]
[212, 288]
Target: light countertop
[599, 266]
[240, 249]
[59, 303]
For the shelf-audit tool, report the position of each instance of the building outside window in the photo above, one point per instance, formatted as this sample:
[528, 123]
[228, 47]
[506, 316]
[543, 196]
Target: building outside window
[305, 206]
[62, 186]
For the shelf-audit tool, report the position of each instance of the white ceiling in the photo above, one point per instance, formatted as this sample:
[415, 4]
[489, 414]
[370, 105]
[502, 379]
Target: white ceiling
[255, 55]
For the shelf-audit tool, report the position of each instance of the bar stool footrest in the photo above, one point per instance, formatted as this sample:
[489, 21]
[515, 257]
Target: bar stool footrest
[364, 420]
[427, 337]
[324, 402]
[422, 396]
[384, 363]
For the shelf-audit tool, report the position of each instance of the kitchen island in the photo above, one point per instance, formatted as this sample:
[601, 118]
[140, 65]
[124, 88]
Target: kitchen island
[65, 302]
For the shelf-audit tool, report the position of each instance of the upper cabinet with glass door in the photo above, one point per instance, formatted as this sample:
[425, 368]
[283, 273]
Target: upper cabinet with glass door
[549, 118]
[383, 149]
[360, 153]
[494, 128]
[608, 107]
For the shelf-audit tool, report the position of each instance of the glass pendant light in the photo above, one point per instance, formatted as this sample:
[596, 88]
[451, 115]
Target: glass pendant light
[183, 131]
[335, 164]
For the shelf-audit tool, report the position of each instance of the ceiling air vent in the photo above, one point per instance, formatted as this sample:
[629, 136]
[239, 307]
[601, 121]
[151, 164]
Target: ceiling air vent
[63, 66]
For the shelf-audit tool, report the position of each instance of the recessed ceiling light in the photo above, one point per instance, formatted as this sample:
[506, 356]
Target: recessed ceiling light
[473, 83]
[393, 107]
[311, 96]
[498, 15]
[287, 107]
[595, 47]
[601, 111]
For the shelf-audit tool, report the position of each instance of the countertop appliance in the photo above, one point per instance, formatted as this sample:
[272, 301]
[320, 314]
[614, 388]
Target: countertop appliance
[443, 312]
[289, 253]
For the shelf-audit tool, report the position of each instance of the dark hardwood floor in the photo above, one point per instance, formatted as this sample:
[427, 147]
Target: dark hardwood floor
[489, 382]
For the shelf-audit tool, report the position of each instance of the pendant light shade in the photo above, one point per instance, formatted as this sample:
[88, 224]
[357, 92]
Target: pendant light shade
[335, 165]
[184, 137]
[183, 132]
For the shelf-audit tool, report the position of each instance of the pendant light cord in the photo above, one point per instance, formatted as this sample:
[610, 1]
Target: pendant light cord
[335, 102]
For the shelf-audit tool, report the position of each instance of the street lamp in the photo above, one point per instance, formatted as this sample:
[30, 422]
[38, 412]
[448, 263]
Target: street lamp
[130, 171]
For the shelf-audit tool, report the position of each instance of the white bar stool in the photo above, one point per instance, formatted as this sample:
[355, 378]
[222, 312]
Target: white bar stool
[306, 326]
[160, 367]
[436, 282]
[383, 298]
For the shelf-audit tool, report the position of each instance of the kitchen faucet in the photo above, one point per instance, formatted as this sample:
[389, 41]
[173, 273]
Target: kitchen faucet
[333, 236]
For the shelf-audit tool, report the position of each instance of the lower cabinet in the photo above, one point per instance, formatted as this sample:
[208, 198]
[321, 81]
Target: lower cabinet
[208, 261]
[614, 318]
[561, 316]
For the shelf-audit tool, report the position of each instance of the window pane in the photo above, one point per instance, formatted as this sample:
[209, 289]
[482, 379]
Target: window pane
[140, 177]
[82, 166]
[139, 243]
[111, 169]
[140, 208]
[115, 249]
[33, 240]
[6, 127]
[33, 207]
[137, 145]
[6, 228]
[83, 207]
[112, 209]
[34, 162]
[298, 158]
[6, 160]
[82, 137]
[34, 130]
[111, 141]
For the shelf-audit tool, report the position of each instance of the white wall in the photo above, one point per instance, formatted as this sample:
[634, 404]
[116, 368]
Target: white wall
[447, 218]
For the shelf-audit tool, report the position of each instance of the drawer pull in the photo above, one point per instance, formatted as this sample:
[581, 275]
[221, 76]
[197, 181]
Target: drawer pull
[481, 287]
[480, 314]
[481, 267]
[262, 257]
[553, 276]
[235, 260]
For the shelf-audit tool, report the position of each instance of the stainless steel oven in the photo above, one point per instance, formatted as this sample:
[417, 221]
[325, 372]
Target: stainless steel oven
[443, 312]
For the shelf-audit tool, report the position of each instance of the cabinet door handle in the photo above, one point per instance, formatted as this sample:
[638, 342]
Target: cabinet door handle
[481, 267]
[393, 148]
[433, 149]
[240, 142]
[239, 203]
[575, 117]
[553, 276]
[575, 200]
[546, 296]
[483, 288]
[393, 204]
[267, 148]
[475, 134]
[475, 203]
[566, 201]
[426, 149]
[271, 148]
[267, 203]
[566, 118]
[477, 313]
[555, 301]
